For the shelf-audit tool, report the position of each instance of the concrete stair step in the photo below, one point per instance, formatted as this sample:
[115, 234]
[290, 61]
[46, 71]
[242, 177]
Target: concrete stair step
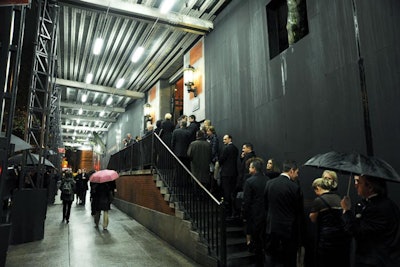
[240, 259]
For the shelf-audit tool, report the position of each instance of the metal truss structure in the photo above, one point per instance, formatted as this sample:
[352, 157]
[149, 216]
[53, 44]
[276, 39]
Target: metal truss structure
[43, 104]
[11, 39]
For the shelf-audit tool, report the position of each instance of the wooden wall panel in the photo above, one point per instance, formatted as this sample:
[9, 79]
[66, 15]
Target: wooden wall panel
[86, 160]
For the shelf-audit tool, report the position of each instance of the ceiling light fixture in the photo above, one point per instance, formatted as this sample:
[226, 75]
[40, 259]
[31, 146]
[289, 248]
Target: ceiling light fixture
[84, 97]
[166, 6]
[102, 113]
[137, 54]
[120, 83]
[98, 45]
[109, 101]
[89, 78]
[80, 111]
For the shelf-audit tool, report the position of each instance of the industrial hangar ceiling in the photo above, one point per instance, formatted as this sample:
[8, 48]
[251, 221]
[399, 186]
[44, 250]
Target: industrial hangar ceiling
[96, 86]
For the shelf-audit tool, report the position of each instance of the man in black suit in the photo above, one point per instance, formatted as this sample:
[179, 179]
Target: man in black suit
[284, 208]
[193, 127]
[253, 208]
[228, 173]
[375, 224]
[180, 143]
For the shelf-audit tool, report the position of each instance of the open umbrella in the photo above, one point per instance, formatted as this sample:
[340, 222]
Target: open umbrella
[354, 163]
[19, 144]
[31, 159]
[104, 176]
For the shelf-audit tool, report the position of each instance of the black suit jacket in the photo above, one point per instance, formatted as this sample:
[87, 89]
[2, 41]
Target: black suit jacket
[284, 208]
[180, 142]
[253, 201]
[228, 161]
[193, 127]
[376, 229]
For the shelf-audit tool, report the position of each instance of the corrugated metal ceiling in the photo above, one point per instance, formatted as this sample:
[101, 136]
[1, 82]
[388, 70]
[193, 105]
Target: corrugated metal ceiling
[124, 26]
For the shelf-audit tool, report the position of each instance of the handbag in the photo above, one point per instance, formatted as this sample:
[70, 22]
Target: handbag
[217, 175]
[212, 167]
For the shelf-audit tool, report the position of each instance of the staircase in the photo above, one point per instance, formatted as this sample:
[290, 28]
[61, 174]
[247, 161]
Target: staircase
[237, 252]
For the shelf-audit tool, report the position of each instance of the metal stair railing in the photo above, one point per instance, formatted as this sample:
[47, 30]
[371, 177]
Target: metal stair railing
[205, 212]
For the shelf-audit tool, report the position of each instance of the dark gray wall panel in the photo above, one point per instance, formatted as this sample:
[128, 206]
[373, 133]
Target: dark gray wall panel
[308, 99]
[380, 49]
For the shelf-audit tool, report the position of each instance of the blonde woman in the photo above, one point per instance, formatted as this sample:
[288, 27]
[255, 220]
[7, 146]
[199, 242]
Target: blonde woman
[331, 175]
[326, 212]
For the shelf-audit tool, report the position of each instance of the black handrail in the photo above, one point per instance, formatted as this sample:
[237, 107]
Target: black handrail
[206, 213]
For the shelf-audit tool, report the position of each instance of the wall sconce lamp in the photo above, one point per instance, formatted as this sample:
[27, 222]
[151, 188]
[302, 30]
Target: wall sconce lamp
[188, 74]
[147, 113]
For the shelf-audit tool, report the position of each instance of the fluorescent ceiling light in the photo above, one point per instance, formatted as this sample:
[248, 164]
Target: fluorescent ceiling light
[109, 101]
[137, 54]
[166, 6]
[84, 97]
[120, 82]
[89, 78]
[98, 44]
[80, 111]
[102, 113]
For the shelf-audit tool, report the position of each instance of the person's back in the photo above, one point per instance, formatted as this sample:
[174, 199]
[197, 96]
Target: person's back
[283, 197]
[199, 152]
[67, 189]
[167, 127]
[332, 238]
[180, 141]
[102, 195]
[254, 210]
[284, 207]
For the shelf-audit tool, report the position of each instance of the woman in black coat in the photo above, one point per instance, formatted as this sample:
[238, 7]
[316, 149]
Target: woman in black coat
[333, 243]
[102, 196]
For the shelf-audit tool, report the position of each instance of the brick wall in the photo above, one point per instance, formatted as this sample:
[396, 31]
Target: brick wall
[142, 190]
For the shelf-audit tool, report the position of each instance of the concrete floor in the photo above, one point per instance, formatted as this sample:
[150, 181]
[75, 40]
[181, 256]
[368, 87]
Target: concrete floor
[79, 243]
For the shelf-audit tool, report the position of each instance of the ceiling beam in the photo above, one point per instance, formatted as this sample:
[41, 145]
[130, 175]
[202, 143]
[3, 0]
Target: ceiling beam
[100, 88]
[86, 118]
[84, 128]
[75, 144]
[76, 135]
[92, 108]
[184, 22]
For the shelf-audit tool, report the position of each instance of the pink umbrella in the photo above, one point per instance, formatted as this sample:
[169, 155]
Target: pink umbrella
[103, 176]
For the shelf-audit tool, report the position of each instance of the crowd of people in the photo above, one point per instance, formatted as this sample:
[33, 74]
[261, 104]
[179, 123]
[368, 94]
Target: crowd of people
[269, 200]
[75, 187]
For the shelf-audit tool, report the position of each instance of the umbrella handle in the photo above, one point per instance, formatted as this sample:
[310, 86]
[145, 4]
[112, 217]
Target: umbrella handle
[348, 186]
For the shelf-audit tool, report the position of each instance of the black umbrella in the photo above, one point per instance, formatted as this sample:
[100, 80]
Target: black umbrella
[355, 163]
[18, 142]
[31, 159]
